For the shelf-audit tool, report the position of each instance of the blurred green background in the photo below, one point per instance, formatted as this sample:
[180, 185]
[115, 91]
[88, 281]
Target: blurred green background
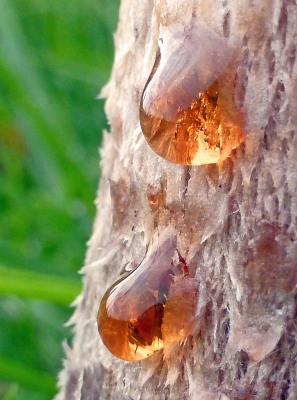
[54, 58]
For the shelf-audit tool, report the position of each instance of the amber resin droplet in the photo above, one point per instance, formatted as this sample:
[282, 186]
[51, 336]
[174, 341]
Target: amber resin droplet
[150, 308]
[184, 115]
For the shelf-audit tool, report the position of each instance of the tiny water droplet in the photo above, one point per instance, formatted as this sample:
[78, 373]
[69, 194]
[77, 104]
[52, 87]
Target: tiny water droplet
[183, 116]
[151, 307]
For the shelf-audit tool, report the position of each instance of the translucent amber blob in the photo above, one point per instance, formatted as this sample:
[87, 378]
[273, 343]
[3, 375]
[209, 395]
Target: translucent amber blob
[183, 114]
[150, 308]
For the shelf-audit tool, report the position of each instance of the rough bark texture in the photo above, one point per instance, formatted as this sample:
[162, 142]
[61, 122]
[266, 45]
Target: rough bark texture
[236, 221]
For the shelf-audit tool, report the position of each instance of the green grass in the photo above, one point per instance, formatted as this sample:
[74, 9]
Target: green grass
[54, 59]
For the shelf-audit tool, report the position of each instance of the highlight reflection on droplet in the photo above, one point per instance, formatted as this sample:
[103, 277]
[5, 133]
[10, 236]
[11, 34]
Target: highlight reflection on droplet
[182, 114]
[150, 308]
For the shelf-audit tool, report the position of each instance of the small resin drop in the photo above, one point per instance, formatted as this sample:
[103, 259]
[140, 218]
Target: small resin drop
[151, 307]
[183, 115]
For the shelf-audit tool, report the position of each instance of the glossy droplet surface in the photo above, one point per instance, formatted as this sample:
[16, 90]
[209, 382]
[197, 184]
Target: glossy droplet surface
[184, 115]
[150, 308]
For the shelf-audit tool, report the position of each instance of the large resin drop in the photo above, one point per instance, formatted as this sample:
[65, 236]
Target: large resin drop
[185, 117]
[151, 307]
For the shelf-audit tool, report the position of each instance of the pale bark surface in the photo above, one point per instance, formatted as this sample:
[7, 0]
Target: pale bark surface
[236, 221]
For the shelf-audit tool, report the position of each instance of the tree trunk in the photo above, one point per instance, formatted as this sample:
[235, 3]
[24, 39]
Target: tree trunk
[235, 221]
